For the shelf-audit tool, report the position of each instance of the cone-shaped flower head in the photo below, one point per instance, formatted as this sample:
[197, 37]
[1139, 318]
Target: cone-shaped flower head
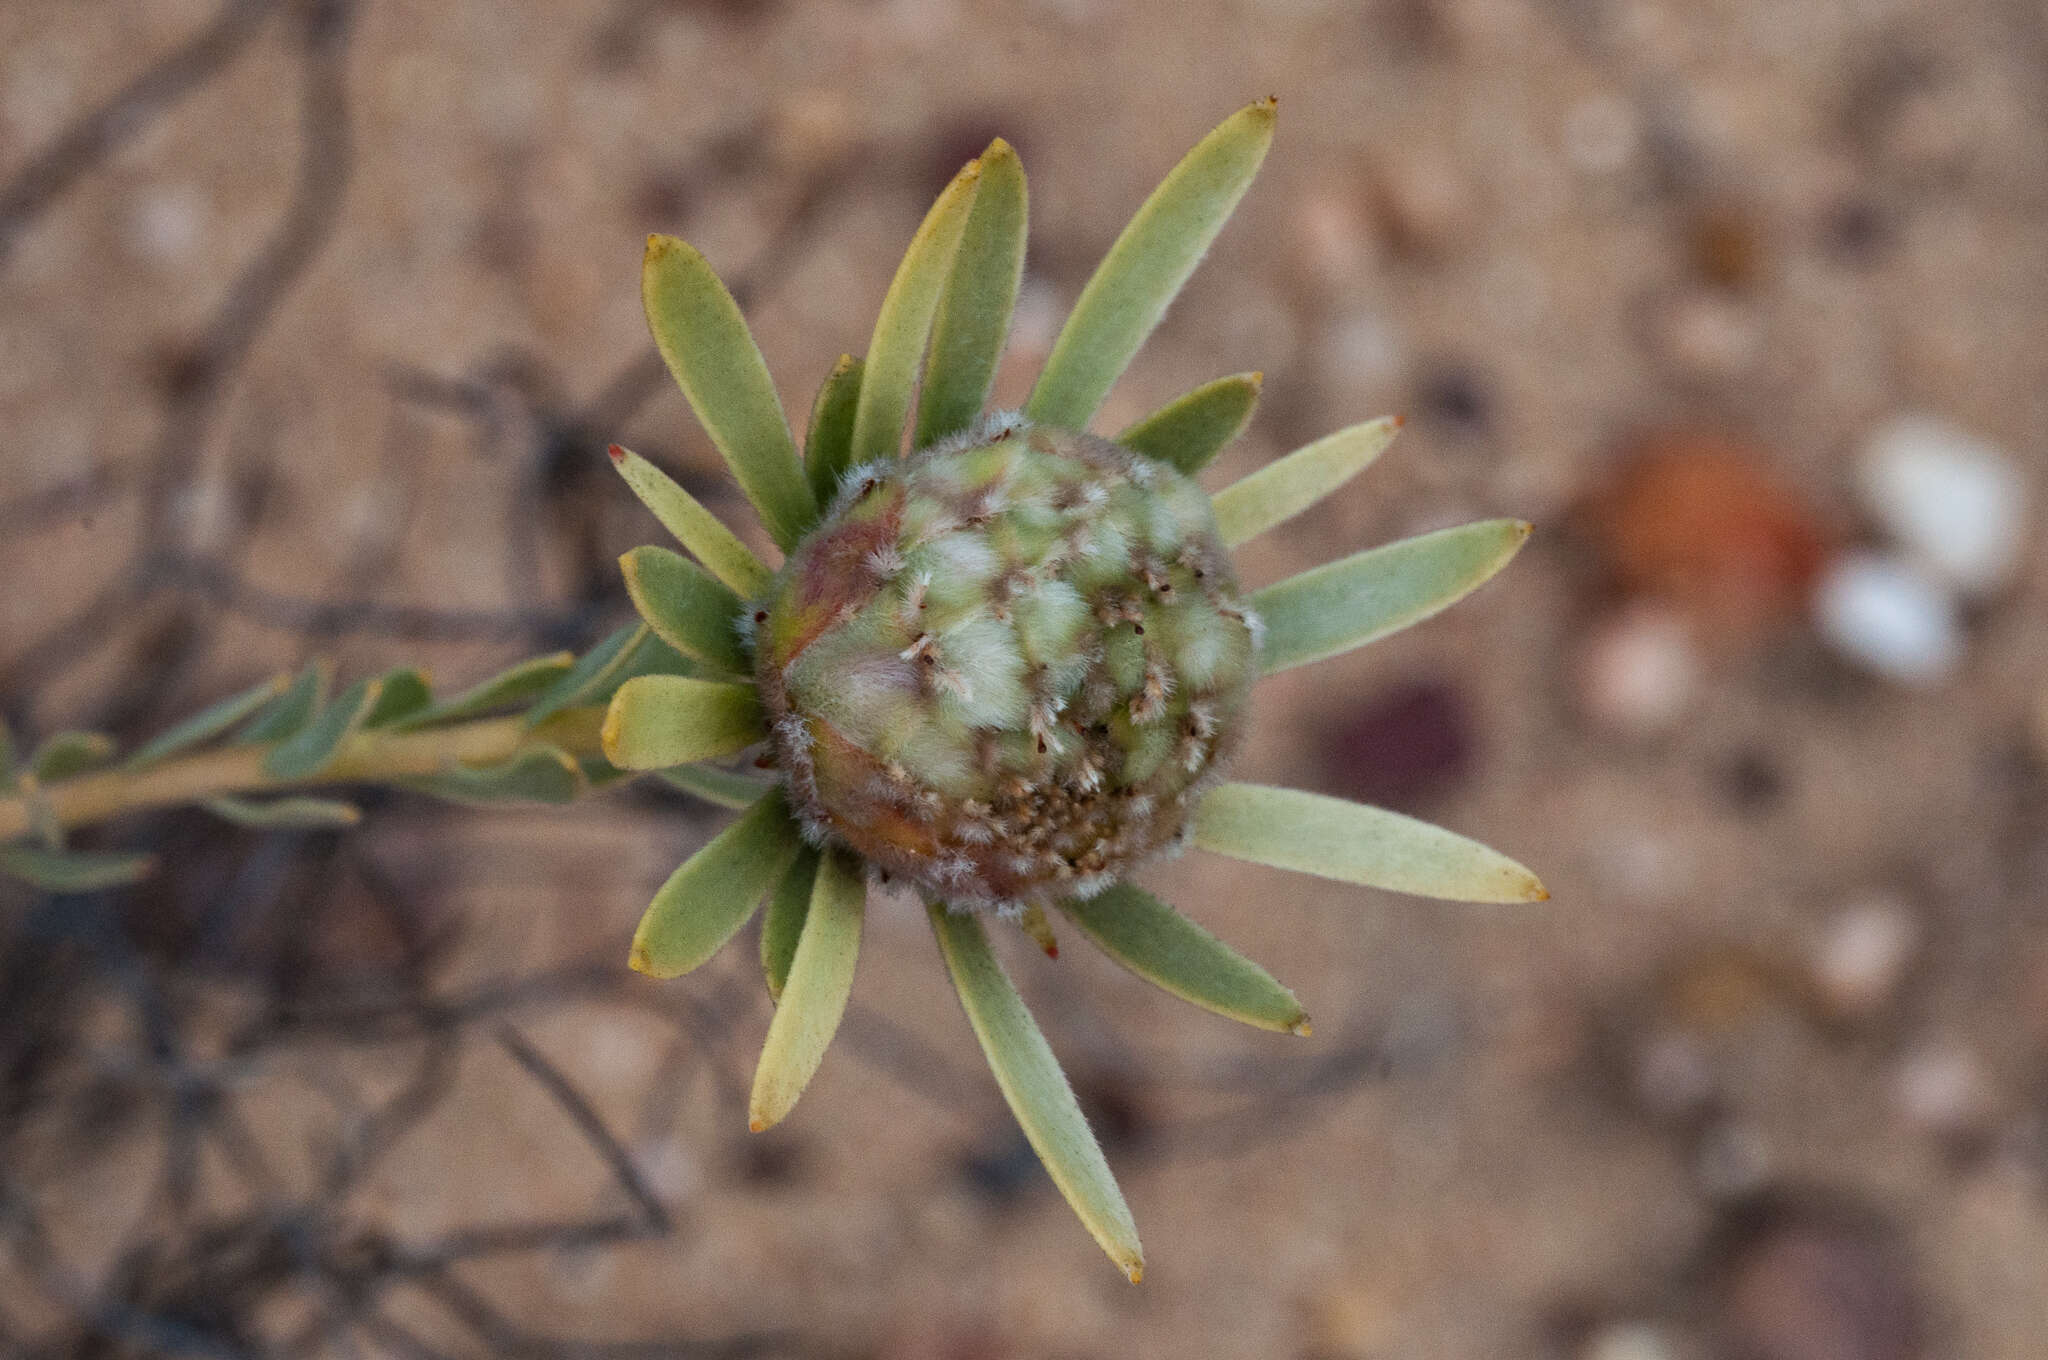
[999, 669]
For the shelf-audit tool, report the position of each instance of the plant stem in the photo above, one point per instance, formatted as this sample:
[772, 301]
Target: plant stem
[366, 758]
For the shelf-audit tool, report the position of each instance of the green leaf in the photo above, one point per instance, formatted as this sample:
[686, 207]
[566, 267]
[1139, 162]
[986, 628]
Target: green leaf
[726, 788]
[1311, 833]
[6, 752]
[284, 813]
[705, 902]
[781, 928]
[1035, 1088]
[73, 872]
[1362, 598]
[705, 342]
[1146, 267]
[291, 710]
[64, 754]
[973, 319]
[813, 999]
[1287, 486]
[656, 721]
[537, 774]
[905, 321]
[514, 685]
[1168, 950]
[686, 606]
[696, 528]
[828, 448]
[205, 724]
[1190, 431]
[404, 694]
[587, 679]
[313, 747]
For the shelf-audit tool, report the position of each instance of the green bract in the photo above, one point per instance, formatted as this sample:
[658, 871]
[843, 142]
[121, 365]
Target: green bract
[1004, 669]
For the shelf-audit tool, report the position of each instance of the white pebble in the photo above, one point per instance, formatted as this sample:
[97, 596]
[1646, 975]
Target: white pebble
[1638, 672]
[166, 223]
[1362, 349]
[1942, 1089]
[1890, 617]
[1628, 1341]
[1957, 503]
[1861, 955]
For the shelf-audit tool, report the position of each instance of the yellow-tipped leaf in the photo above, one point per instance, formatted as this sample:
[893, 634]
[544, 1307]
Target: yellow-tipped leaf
[1036, 1089]
[705, 341]
[1145, 269]
[1312, 833]
[656, 721]
[814, 995]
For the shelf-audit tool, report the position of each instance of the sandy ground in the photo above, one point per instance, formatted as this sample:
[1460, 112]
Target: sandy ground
[345, 311]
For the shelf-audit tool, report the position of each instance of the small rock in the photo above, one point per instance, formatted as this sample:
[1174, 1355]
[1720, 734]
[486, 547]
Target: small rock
[1674, 1076]
[1638, 671]
[1361, 349]
[1404, 745]
[166, 223]
[1733, 1159]
[1628, 1341]
[1333, 242]
[1709, 335]
[1957, 503]
[1889, 617]
[1419, 205]
[1727, 246]
[1808, 1288]
[1698, 520]
[1861, 955]
[1943, 1089]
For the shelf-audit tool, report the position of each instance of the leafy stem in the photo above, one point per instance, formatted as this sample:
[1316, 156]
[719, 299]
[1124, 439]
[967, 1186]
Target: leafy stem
[373, 757]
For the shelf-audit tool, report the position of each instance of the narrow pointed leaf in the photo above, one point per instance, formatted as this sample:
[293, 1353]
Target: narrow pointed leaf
[783, 925]
[537, 774]
[593, 677]
[1311, 833]
[313, 747]
[974, 311]
[1168, 950]
[276, 814]
[708, 348]
[510, 687]
[1359, 599]
[725, 788]
[696, 528]
[74, 872]
[656, 721]
[1189, 431]
[828, 448]
[291, 710]
[1287, 486]
[905, 322]
[64, 754]
[405, 694]
[6, 752]
[686, 606]
[1145, 269]
[705, 902]
[814, 996]
[1035, 1088]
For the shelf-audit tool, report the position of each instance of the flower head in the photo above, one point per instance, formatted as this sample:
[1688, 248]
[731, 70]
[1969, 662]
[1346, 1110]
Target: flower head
[1005, 669]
